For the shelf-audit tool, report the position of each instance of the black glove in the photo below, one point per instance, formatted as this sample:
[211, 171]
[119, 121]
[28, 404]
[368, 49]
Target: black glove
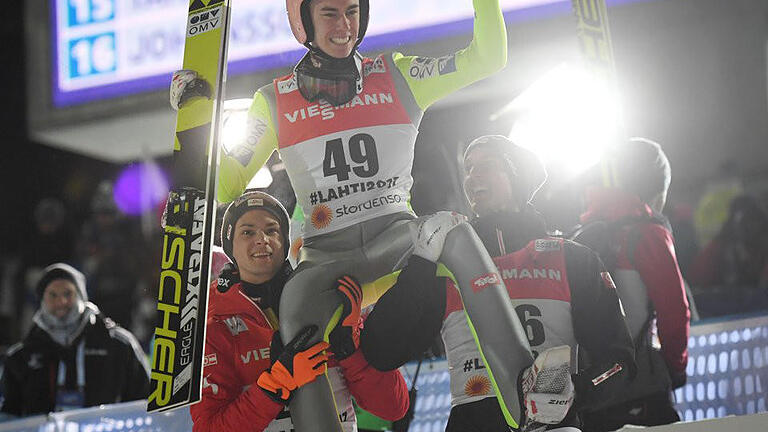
[228, 277]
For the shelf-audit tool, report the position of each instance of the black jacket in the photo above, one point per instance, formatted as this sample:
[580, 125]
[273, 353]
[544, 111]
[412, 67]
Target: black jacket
[598, 323]
[410, 315]
[115, 367]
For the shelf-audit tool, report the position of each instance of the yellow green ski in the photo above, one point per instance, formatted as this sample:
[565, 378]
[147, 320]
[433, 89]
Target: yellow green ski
[597, 51]
[182, 291]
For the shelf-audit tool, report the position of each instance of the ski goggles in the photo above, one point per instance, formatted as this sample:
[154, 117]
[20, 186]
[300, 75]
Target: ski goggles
[335, 86]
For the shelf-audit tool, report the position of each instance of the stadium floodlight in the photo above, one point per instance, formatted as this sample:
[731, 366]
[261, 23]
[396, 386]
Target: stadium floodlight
[567, 117]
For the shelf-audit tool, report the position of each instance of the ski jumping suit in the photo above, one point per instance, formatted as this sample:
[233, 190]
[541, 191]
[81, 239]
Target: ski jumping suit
[562, 295]
[350, 167]
[237, 351]
[652, 292]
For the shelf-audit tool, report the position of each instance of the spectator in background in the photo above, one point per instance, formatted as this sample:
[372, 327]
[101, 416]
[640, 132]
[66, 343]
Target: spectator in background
[625, 226]
[738, 255]
[108, 252]
[51, 241]
[73, 357]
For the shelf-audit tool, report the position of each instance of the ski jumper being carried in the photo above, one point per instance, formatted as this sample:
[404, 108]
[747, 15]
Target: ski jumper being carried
[345, 127]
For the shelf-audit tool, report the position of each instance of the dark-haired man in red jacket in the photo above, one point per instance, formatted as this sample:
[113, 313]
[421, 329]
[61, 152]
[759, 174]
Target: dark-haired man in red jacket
[248, 376]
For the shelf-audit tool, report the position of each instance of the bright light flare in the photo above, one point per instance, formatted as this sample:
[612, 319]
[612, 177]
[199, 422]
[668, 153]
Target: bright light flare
[567, 117]
[234, 132]
[234, 118]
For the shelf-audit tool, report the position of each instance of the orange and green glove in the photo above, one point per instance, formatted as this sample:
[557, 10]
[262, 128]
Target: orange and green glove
[345, 338]
[296, 365]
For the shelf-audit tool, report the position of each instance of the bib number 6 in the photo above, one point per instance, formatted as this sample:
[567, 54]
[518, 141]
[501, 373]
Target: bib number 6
[530, 318]
[362, 150]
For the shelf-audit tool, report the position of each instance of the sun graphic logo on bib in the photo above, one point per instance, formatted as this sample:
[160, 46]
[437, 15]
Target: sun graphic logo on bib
[348, 163]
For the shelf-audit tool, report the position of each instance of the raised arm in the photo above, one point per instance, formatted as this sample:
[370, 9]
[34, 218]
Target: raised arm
[238, 165]
[431, 79]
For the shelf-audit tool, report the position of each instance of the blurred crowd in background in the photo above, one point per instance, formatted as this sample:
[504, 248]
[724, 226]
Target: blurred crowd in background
[106, 245]
[721, 242]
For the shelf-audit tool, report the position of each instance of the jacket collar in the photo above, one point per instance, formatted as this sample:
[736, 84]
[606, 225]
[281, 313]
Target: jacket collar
[612, 204]
[512, 229]
[243, 296]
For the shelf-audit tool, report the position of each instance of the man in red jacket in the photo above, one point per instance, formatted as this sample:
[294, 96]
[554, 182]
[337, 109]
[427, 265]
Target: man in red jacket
[638, 251]
[248, 376]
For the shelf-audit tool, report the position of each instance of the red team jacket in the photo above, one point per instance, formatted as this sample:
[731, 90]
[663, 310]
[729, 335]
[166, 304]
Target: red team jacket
[237, 351]
[652, 272]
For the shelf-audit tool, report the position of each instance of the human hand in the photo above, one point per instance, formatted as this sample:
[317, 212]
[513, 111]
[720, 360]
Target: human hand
[296, 366]
[432, 232]
[186, 84]
[345, 338]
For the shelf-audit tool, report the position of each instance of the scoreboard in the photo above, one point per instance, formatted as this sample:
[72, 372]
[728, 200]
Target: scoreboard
[104, 49]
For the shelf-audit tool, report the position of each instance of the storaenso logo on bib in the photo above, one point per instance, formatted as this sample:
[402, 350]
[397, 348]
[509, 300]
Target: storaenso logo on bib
[204, 22]
[370, 204]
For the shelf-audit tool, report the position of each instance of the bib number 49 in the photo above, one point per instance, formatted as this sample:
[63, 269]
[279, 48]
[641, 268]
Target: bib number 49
[362, 151]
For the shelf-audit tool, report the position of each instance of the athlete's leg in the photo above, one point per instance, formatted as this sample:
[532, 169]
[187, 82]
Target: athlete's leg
[502, 340]
[310, 297]
[407, 319]
[500, 337]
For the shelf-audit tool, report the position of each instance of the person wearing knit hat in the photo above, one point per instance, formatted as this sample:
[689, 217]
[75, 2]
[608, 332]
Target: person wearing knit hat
[625, 225]
[523, 169]
[642, 169]
[560, 291]
[63, 297]
[93, 360]
[243, 312]
[257, 263]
